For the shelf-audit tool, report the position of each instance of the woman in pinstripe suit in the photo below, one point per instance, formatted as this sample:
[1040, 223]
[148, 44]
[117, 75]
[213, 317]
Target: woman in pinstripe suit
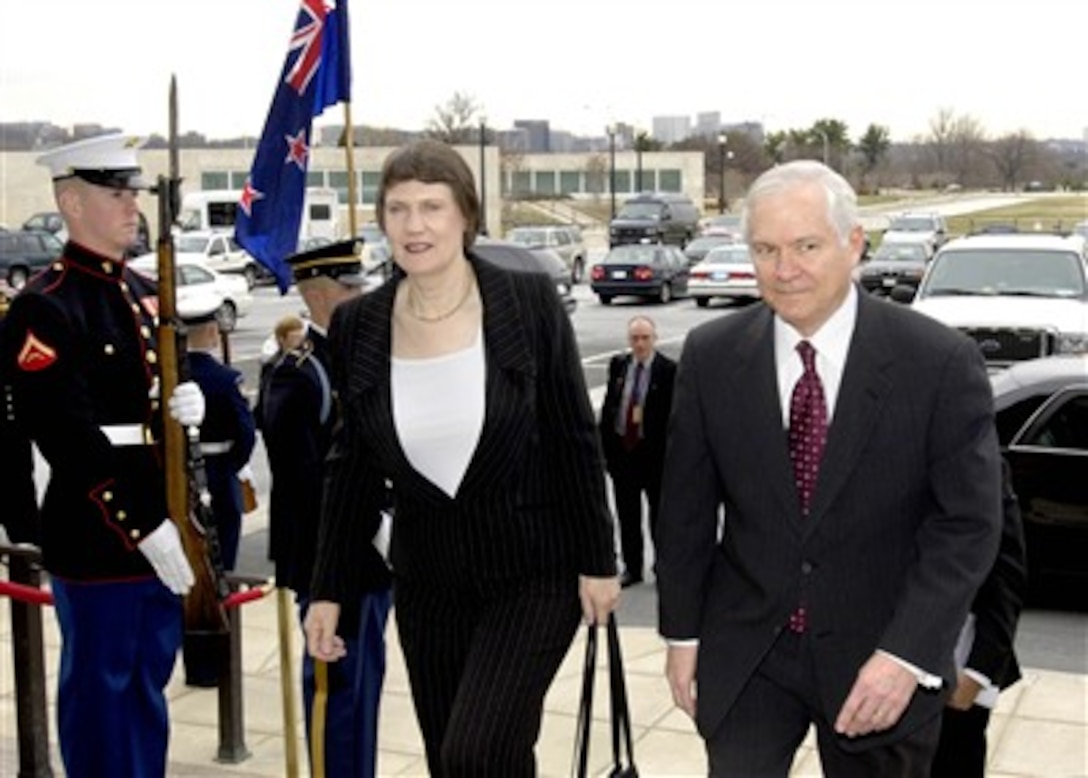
[461, 386]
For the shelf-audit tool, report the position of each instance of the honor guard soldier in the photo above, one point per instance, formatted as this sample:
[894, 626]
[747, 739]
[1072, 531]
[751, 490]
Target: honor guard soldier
[82, 359]
[296, 414]
[226, 443]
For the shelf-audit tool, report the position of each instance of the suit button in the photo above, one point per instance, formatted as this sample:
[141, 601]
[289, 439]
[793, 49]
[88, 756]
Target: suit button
[806, 567]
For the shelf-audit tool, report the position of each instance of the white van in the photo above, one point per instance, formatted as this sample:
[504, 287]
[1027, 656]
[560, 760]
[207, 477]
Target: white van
[213, 210]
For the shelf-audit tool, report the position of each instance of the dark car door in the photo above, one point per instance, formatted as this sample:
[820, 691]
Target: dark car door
[1049, 460]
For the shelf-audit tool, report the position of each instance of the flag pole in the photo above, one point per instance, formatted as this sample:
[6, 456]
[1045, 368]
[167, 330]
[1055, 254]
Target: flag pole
[349, 154]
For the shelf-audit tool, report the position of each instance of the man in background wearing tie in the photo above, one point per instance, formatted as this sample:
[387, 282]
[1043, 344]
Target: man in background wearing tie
[633, 423]
[831, 501]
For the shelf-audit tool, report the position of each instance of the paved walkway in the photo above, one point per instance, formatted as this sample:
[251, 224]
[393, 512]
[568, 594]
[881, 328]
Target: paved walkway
[1040, 728]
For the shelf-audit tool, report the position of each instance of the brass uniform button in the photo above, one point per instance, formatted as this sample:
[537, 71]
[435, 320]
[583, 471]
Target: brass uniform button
[152, 357]
[108, 348]
[107, 496]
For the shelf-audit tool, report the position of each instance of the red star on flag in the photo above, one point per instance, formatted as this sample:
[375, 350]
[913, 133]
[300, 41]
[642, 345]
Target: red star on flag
[297, 150]
[249, 196]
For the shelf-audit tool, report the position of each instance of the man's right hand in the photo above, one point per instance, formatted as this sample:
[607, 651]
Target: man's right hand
[164, 551]
[680, 664]
[320, 626]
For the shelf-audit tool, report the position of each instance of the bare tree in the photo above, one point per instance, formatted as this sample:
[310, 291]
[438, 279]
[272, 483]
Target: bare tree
[967, 142]
[455, 121]
[1011, 154]
[941, 128]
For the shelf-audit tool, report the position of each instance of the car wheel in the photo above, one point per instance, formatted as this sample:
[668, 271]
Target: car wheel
[605, 299]
[227, 316]
[665, 295]
[578, 271]
[17, 277]
[702, 302]
[250, 274]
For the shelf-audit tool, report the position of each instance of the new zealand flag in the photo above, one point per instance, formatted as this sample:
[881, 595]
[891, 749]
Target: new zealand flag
[317, 74]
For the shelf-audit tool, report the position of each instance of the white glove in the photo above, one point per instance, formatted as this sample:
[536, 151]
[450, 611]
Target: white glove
[187, 404]
[163, 550]
[246, 474]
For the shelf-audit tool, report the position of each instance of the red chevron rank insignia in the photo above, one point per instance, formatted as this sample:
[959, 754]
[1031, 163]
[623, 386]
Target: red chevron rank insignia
[35, 354]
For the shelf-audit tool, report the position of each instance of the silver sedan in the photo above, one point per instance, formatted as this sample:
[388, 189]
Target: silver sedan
[726, 271]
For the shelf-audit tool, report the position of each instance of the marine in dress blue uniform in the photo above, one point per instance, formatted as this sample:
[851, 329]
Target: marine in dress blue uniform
[296, 413]
[82, 360]
[227, 436]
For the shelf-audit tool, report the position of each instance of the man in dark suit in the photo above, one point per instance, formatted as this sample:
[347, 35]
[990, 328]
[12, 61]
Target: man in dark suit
[830, 503]
[984, 655]
[633, 424]
[297, 411]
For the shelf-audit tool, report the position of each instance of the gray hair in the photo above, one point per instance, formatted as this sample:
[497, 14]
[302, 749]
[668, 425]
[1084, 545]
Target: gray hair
[842, 201]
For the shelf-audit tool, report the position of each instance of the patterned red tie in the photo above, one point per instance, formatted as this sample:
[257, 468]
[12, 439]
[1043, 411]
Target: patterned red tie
[808, 426]
[630, 420]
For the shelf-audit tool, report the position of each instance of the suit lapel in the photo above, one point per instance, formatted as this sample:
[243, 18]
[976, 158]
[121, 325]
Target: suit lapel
[866, 384]
[755, 389]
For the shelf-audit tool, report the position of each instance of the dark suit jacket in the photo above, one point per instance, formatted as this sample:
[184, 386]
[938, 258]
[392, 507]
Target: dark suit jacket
[999, 600]
[903, 527]
[532, 501]
[655, 411]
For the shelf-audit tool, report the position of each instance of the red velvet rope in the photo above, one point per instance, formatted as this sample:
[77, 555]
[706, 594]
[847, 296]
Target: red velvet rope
[37, 596]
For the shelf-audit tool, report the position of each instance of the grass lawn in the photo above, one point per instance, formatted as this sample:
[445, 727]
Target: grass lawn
[1057, 213]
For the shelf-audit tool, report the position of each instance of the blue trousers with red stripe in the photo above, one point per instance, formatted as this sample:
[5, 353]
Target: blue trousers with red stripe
[354, 692]
[119, 642]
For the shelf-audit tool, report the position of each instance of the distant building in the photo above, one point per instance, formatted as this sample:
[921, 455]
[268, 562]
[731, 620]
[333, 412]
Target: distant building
[539, 134]
[708, 124]
[671, 129]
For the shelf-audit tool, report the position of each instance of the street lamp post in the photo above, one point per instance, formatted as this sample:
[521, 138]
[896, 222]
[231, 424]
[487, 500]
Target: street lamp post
[723, 139]
[827, 144]
[638, 160]
[483, 176]
[611, 130]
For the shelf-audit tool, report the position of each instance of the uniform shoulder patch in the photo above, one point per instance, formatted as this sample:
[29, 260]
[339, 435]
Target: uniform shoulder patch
[35, 354]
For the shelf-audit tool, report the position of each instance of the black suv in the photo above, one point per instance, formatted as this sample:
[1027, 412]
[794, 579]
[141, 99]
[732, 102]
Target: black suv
[25, 252]
[659, 217]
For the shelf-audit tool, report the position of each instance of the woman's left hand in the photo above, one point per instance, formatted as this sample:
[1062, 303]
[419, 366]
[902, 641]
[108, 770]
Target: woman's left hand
[599, 597]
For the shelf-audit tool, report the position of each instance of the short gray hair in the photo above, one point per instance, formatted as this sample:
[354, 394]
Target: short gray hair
[842, 201]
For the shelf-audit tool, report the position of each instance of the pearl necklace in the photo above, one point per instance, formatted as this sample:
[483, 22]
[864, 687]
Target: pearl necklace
[414, 309]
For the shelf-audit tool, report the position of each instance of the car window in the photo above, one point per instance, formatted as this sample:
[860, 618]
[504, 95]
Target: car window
[1064, 427]
[562, 238]
[1025, 272]
[191, 274]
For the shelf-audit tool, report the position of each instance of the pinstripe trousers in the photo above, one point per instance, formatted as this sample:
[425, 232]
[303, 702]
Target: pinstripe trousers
[480, 659]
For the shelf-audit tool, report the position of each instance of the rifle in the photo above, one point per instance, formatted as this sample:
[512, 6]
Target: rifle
[183, 461]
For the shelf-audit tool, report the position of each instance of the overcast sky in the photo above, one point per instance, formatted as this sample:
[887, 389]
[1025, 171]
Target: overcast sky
[578, 63]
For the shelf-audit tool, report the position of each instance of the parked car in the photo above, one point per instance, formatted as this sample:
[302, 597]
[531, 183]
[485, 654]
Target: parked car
[697, 250]
[1019, 296]
[514, 256]
[654, 272]
[726, 272]
[375, 246]
[727, 224]
[25, 252]
[50, 221]
[895, 263]
[563, 240]
[655, 217]
[219, 251]
[930, 227]
[1081, 228]
[1042, 422]
[198, 284]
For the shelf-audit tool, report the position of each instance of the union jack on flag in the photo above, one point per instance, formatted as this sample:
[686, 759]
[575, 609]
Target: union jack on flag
[316, 74]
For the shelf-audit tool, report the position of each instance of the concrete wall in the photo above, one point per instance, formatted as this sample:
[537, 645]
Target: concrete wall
[25, 187]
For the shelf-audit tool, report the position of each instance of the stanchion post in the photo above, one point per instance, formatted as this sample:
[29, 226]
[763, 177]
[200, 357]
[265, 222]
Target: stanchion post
[28, 656]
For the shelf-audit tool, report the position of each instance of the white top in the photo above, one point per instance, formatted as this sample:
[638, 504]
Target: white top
[438, 412]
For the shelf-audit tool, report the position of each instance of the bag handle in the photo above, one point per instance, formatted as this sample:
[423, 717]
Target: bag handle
[620, 718]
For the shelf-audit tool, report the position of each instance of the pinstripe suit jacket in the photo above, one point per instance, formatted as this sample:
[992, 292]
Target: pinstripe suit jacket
[905, 520]
[532, 501]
